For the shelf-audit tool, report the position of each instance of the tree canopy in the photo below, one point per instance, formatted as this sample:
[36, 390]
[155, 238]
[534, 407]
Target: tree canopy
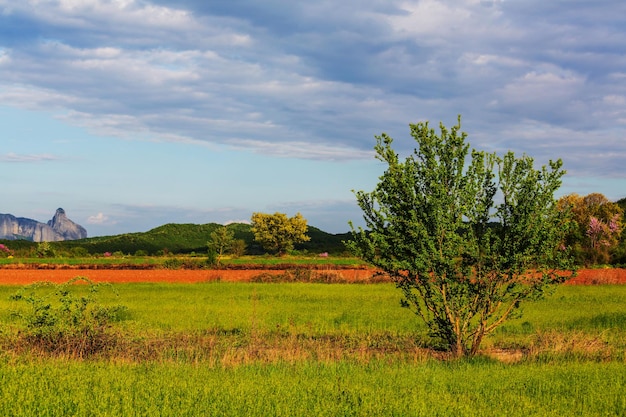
[277, 232]
[466, 236]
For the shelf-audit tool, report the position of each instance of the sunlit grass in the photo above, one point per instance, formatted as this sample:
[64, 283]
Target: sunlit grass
[380, 388]
[313, 349]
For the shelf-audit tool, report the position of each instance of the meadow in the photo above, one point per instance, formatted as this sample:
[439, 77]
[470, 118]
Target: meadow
[225, 348]
[178, 261]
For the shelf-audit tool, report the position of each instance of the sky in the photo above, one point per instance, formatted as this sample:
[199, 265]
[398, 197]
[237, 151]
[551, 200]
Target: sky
[130, 114]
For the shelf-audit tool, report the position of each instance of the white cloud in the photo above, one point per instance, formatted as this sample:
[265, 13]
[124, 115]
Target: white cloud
[244, 221]
[13, 157]
[300, 81]
[99, 218]
[303, 150]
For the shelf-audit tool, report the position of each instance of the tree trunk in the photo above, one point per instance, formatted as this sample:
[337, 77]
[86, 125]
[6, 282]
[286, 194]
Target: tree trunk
[456, 347]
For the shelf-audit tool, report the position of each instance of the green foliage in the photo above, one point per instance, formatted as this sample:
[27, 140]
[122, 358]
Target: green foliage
[45, 250]
[221, 242]
[57, 319]
[464, 263]
[238, 248]
[277, 232]
[596, 228]
[79, 252]
[212, 257]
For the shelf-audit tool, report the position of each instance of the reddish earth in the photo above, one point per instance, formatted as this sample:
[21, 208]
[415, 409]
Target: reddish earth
[598, 276]
[27, 276]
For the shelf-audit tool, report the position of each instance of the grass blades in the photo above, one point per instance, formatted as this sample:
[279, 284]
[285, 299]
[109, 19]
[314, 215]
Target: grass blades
[473, 388]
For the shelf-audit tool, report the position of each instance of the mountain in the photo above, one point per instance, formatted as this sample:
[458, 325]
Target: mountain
[187, 238]
[57, 229]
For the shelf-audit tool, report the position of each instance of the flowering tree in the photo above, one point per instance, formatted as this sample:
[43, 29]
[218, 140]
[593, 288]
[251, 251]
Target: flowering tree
[5, 251]
[603, 235]
[597, 225]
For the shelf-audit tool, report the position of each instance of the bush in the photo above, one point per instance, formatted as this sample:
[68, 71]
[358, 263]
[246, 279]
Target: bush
[45, 250]
[57, 320]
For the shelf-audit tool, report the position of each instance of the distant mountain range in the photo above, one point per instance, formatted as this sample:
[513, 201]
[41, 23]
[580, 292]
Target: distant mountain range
[169, 238]
[57, 229]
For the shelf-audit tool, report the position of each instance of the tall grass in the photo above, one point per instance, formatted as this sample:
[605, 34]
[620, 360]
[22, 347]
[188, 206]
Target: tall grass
[381, 388]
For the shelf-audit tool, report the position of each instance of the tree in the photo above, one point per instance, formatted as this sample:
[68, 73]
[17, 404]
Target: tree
[277, 232]
[221, 241]
[597, 224]
[619, 253]
[463, 263]
[238, 248]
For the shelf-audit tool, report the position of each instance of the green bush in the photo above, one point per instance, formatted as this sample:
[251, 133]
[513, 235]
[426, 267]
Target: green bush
[64, 318]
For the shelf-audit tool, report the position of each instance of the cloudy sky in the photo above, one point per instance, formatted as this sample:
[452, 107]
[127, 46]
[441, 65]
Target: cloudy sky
[130, 114]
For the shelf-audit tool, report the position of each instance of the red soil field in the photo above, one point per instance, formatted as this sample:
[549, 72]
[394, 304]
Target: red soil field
[17, 276]
[598, 276]
[28, 276]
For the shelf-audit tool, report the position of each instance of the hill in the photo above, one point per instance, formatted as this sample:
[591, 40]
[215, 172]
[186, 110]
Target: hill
[187, 238]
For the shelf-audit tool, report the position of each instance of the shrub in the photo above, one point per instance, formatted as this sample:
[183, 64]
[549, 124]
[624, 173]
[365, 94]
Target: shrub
[45, 250]
[55, 319]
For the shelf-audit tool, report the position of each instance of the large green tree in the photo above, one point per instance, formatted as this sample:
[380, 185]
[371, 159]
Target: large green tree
[466, 236]
[277, 232]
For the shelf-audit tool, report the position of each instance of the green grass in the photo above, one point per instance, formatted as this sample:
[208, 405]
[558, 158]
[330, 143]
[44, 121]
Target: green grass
[328, 350]
[198, 259]
[337, 308]
[474, 388]
[312, 308]
[295, 260]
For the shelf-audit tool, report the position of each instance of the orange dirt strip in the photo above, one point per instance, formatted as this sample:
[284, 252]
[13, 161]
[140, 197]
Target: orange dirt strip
[28, 276]
[599, 276]
[10, 276]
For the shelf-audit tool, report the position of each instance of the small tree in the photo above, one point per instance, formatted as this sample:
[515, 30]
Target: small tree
[464, 263]
[45, 250]
[277, 232]
[221, 241]
[238, 247]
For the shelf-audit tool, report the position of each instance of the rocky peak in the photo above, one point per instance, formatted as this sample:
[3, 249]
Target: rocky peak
[58, 228]
[65, 227]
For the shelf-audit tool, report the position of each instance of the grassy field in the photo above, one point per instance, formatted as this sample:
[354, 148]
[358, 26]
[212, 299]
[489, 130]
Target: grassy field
[62, 388]
[180, 261]
[314, 349]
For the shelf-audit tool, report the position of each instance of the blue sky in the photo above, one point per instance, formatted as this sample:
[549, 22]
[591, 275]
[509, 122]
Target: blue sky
[130, 114]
